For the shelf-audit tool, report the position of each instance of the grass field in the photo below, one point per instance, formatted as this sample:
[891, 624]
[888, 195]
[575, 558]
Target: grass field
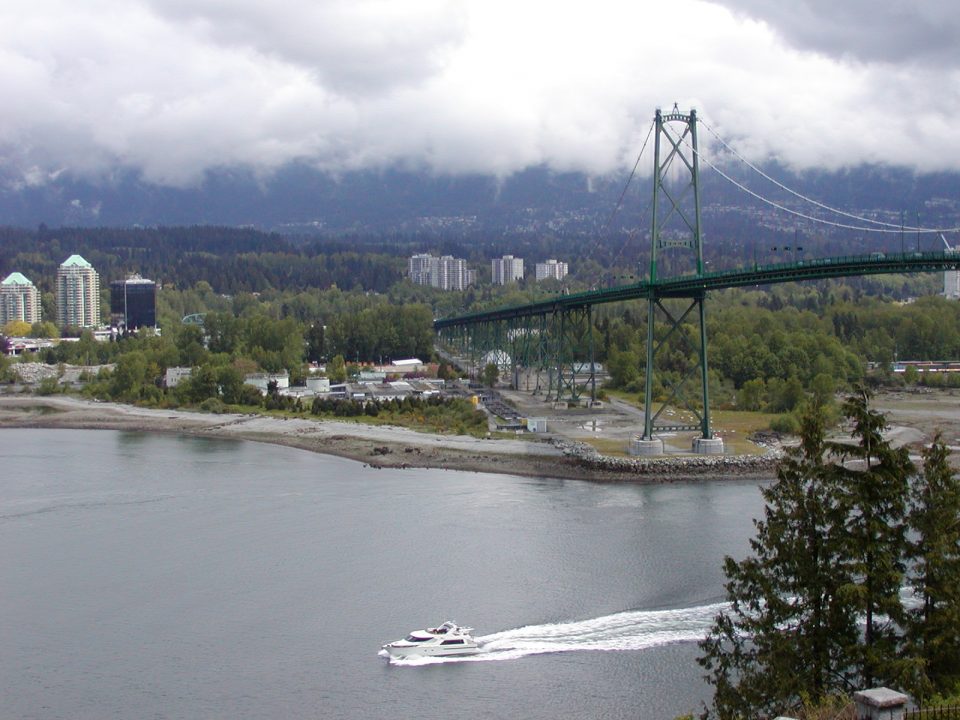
[735, 426]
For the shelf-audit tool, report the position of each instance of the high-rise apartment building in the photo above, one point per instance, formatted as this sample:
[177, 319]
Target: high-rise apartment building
[418, 268]
[452, 274]
[133, 303]
[506, 269]
[446, 273]
[19, 300]
[951, 279]
[78, 293]
[551, 269]
[951, 284]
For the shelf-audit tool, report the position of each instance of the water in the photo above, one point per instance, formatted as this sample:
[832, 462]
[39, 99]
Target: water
[150, 576]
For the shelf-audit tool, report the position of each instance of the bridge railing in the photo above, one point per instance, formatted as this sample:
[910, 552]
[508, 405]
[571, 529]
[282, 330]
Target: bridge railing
[876, 258]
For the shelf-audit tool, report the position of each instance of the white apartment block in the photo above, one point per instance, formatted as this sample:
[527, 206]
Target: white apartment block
[951, 285]
[19, 300]
[78, 293]
[506, 269]
[446, 273]
[418, 268]
[551, 269]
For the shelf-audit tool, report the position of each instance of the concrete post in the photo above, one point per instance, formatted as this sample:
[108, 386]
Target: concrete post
[880, 704]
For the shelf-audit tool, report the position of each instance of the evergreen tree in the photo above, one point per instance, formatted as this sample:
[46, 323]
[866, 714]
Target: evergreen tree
[934, 626]
[873, 478]
[337, 369]
[789, 634]
[817, 609]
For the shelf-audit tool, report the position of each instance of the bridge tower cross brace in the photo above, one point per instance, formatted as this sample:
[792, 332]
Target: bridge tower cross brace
[676, 205]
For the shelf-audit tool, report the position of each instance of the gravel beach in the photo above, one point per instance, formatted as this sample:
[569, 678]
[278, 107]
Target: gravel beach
[379, 445]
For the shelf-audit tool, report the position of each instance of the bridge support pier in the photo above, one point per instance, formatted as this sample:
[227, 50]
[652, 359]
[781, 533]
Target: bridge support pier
[646, 447]
[708, 446]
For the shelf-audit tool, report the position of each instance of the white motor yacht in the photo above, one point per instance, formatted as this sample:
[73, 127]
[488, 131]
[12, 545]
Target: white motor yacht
[442, 641]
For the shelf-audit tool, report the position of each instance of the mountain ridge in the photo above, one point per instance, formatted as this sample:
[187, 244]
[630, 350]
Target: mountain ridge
[301, 200]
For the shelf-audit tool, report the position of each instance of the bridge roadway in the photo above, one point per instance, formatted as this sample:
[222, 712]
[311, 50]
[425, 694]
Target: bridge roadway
[692, 286]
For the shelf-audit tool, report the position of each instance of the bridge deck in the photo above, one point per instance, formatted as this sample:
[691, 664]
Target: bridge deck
[690, 286]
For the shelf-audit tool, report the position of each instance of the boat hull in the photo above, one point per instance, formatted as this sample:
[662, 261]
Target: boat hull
[405, 651]
[445, 640]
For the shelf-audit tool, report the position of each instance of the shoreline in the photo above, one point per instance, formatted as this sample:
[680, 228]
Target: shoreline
[382, 446]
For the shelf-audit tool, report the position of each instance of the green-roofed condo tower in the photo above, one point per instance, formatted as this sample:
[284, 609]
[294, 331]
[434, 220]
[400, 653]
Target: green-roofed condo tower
[78, 294]
[19, 300]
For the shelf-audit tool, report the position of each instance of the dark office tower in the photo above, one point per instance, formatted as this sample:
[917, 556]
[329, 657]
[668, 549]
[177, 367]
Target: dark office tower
[133, 303]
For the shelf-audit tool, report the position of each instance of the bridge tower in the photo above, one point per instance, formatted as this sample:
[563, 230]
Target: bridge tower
[675, 226]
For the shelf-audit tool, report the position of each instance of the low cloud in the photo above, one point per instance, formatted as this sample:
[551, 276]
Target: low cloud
[891, 31]
[172, 89]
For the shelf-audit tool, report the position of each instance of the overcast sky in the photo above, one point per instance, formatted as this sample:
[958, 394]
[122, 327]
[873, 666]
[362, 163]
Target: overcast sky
[172, 88]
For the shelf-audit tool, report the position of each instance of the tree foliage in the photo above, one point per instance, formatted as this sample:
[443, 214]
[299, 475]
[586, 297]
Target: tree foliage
[790, 631]
[491, 374]
[934, 624]
[16, 328]
[816, 609]
[872, 501]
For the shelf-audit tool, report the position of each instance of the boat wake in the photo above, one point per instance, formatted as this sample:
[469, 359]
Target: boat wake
[634, 630]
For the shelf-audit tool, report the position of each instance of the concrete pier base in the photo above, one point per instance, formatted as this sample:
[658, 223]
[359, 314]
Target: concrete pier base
[704, 446]
[880, 704]
[639, 446]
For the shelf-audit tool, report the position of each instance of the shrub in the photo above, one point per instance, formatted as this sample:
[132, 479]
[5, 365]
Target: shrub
[48, 386]
[786, 424]
[212, 405]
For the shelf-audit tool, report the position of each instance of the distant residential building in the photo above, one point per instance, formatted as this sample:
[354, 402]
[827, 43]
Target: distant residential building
[133, 303]
[951, 284]
[78, 293]
[951, 281]
[551, 269]
[419, 268]
[452, 274]
[19, 300]
[506, 269]
[446, 273]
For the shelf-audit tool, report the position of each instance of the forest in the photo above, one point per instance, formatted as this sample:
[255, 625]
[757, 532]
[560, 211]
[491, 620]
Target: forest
[273, 303]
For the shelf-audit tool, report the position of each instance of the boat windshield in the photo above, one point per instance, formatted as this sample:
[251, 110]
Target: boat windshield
[414, 638]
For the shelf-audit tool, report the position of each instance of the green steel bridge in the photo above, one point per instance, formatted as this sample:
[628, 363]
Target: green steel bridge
[690, 285]
[554, 337]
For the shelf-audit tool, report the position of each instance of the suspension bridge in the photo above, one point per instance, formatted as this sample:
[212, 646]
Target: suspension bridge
[554, 338]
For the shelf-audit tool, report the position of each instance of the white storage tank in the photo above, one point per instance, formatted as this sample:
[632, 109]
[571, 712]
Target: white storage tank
[537, 425]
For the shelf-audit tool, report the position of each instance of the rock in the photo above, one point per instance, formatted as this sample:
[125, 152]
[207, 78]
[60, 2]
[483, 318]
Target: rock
[668, 465]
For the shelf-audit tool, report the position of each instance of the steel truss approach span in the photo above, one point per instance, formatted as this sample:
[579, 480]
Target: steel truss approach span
[547, 346]
[691, 286]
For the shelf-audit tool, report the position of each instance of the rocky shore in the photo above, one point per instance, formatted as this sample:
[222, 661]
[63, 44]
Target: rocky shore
[385, 446]
[673, 465]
